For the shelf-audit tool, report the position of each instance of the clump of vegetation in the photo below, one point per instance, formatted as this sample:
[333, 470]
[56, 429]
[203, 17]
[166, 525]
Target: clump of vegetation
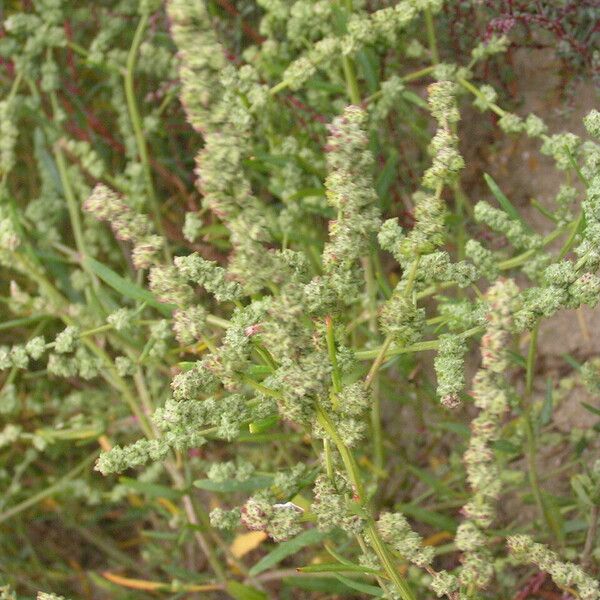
[238, 323]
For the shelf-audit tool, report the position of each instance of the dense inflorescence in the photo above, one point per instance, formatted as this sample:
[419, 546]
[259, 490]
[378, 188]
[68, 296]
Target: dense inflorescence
[245, 282]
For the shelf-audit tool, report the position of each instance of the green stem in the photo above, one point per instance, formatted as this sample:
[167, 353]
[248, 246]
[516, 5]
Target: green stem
[410, 282]
[377, 543]
[376, 425]
[530, 433]
[516, 261]
[590, 537]
[433, 49]
[136, 122]
[577, 225]
[386, 559]
[351, 81]
[471, 88]
[418, 347]
[72, 204]
[379, 358]
[22, 321]
[349, 69]
[336, 377]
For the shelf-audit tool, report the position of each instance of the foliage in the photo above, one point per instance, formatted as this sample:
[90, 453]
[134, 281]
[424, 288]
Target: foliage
[223, 290]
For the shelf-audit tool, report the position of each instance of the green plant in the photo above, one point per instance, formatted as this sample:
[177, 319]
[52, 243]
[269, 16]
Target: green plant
[248, 352]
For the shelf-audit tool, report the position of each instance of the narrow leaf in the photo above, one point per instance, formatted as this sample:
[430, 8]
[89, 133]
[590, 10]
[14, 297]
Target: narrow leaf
[126, 287]
[239, 591]
[234, 485]
[364, 588]
[328, 585]
[590, 408]
[504, 202]
[285, 549]
[546, 411]
[337, 568]
[435, 519]
[386, 177]
[152, 490]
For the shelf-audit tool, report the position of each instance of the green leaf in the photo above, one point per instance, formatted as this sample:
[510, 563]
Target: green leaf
[264, 424]
[307, 193]
[572, 361]
[575, 525]
[153, 490]
[337, 568]
[328, 585]
[554, 516]
[39, 142]
[580, 490]
[506, 447]
[364, 588]
[504, 202]
[368, 61]
[126, 287]
[432, 481]
[414, 99]
[435, 519]
[258, 371]
[239, 591]
[458, 428]
[234, 485]
[546, 411]
[590, 408]
[518, 359]
[285, 549]
[386, 178]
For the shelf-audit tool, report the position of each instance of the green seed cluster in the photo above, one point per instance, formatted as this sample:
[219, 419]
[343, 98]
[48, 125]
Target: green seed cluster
[491, 397]
[564, 574]
[251, 340]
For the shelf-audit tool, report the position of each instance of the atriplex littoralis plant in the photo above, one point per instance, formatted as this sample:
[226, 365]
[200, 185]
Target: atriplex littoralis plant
[254, 353]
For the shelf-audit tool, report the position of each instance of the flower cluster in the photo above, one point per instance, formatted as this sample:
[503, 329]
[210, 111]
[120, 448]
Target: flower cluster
[564, 574]
[106, 205]
[447, 161]
[490, 394]
[349, 189]
[449, 368]
[396, 531]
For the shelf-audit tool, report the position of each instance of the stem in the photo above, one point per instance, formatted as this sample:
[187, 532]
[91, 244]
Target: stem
[347, 457]
[577, 224]
[471, 88]
[376, 426]
[69, 193]
[72, 204]
[351, 81]
[377, 543]
[520, 259]
[336, 377]
[590, 538]
[530, 432]
[349, 70]
[433, 49]
[385, 557]
[136, 123]
[406, 79]
[380, 357]
[412, 275]
[418, 347]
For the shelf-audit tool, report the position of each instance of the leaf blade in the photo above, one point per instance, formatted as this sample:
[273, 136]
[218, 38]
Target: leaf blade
[285, 549]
